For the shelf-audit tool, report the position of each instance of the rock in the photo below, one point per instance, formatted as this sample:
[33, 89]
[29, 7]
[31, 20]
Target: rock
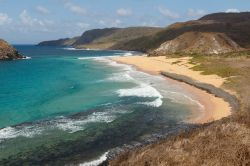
[7, 52]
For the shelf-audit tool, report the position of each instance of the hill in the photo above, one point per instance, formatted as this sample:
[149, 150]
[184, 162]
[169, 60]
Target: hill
[7, 52]
[198, 42]
[59, 42]
[106, 38]
[228, 31]
[234, 26]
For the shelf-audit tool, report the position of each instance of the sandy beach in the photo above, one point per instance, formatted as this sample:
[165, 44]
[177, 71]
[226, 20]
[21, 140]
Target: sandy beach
[215, 108]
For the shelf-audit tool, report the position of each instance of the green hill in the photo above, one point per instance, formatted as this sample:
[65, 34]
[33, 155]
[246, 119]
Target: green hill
[236, 26]
[106, 38]
[229, 31]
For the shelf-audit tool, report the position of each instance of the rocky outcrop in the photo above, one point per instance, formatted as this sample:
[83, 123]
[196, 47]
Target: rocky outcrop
[7, 52]
[198, 42]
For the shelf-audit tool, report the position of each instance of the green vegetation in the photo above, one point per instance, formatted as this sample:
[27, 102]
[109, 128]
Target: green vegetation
[216, 66]
[107, 38]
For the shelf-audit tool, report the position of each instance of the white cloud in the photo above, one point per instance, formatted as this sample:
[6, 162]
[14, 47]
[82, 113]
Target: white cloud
[4, 19]
[232, 11]
[196, 13]
[124, 12]
[75, 8]
[168, 13]
[26, 19]
[110, 23]
[34, 24]
[42, 10]
[82, 25]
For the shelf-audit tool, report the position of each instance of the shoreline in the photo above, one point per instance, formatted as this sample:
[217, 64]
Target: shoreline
[217, 102]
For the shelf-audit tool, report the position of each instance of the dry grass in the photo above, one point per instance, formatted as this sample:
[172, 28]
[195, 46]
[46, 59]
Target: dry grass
[224, 142]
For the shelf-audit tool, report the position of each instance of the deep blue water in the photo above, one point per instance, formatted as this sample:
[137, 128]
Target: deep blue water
[78, 104]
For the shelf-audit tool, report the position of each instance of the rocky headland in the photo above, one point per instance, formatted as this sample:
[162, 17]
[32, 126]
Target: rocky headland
[7, 52]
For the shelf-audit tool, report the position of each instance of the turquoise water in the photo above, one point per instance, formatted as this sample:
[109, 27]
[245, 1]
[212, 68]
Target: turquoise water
[49, 85]
[71, 106]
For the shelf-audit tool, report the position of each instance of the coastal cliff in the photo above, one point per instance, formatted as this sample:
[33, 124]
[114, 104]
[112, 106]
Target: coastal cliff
[7, 52]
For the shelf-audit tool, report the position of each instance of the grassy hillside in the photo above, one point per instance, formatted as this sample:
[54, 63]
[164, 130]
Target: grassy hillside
[59, 42]
[109, 38]
[234, 25]
[95, 34]
[224, 143]
[106, 38]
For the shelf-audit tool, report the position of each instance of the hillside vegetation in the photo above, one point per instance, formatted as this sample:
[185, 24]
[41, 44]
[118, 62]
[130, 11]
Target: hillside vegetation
[211, 34]
[234, 26]
[106, 38]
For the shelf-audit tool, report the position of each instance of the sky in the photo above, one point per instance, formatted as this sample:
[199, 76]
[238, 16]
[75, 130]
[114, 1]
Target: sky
[32, 21]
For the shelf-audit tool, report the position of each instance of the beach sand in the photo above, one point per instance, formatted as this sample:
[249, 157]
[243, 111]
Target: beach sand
[214, 108]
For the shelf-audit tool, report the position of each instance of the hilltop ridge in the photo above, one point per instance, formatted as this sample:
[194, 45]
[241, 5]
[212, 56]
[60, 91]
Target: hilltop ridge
[106, 38]
[211, 34]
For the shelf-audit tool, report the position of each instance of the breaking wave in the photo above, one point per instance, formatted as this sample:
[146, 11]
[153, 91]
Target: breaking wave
[70, 125]
[96, 162]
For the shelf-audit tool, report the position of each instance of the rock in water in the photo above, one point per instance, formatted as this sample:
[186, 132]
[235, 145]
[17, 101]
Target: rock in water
[7, 52]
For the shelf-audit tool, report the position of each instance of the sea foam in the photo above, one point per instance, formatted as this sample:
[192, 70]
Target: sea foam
[143, 90]
[70, 125]
[96, 162]
[26, 57]
[126, 73]
[11, 132]
[74, 125]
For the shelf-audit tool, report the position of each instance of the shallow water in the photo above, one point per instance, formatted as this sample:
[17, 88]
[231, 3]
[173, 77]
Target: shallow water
[71, 106]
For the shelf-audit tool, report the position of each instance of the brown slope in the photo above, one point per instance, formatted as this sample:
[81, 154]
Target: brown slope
[198, 42]
[224, 143]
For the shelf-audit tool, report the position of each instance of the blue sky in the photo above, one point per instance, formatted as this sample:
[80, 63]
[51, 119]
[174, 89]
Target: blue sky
[32, 21]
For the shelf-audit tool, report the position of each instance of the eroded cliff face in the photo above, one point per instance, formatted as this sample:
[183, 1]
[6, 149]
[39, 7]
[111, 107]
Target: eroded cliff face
[7, 52]
[198, 42]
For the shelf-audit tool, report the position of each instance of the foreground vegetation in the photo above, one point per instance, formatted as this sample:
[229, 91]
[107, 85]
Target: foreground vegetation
[224, 142]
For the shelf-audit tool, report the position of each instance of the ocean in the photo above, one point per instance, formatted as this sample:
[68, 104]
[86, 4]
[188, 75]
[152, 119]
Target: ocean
[67, 106]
